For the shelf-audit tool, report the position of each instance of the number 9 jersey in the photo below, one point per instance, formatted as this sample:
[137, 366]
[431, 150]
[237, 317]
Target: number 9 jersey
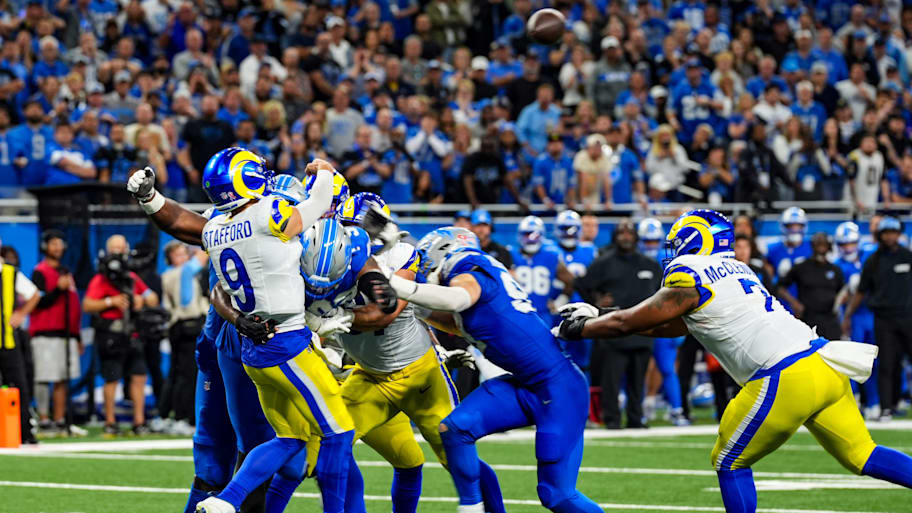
[737, 319]
[257, 264]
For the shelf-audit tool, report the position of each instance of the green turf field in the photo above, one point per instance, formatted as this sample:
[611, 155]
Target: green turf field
[655, 470]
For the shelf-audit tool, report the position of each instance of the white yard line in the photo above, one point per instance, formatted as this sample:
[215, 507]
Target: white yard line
[511, 436]
[841, 477]
[303, 495]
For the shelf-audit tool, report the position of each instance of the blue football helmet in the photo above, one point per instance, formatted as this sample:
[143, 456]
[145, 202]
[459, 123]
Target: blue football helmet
[341, 191]
[288, 187]
[700, 232]
[434, 247]
[847, 238]
[568, 227]
[351, 211]
[650, 234]
[531, 234]
[235, 176]
[326, 257]
[794, 225]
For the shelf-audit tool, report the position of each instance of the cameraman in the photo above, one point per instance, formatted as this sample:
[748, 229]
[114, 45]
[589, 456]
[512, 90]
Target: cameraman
[54, 328]
[114, 295]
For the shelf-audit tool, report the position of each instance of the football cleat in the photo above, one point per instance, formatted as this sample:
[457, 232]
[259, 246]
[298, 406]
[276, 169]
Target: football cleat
[214, 505]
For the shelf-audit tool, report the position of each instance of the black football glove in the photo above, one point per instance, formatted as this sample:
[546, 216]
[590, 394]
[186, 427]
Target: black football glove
[255, 328]
[376, 287]
[571, 330]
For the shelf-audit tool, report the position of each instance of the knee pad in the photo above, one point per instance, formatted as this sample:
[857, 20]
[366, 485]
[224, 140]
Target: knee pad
[550, 496]
[456, 429]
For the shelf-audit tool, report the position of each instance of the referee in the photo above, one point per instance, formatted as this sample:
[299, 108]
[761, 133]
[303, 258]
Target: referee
[886, 280]
[818, 282]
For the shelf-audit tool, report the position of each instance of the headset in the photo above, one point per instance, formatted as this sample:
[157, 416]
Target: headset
[50, 234]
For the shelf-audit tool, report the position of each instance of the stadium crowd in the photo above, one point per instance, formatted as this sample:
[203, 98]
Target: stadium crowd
[449, 101]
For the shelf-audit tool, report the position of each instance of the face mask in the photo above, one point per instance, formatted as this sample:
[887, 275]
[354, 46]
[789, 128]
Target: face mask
[794, 238]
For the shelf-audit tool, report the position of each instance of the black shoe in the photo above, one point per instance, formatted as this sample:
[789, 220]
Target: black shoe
[141, 430]
[31, 440]
[612, 426]
[111, 430]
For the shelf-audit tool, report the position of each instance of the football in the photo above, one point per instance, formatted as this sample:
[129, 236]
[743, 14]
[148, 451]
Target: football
[546, 26]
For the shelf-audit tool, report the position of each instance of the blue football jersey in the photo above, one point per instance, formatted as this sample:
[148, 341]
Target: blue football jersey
[851, 271]
[578, 259]
[503, 323]
[536, 275]
[782, 258]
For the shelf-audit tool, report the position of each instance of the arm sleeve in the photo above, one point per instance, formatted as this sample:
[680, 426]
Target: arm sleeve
[319, 200]
[49, 296]
[435, 297]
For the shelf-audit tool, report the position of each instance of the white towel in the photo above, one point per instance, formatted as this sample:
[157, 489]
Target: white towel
[854, 359]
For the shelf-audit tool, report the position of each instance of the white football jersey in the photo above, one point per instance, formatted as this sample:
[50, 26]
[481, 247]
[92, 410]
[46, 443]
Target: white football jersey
[738, 320]
[257, 264]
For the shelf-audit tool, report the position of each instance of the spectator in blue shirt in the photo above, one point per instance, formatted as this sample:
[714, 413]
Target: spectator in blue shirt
[552, 176]
[900, 180]
[9, 175]
[693, 102]
[245, 131]
[766, 75]
[515, 24]
[50, 64]
[833, 13]
[654, 27]
[184, 20]
[537, 119]
[365, 169]
[503, 68]
[803, 56]
[833, 58]
[29, 143]
[715, 178]
[67, 164]
[691, 11]
[810, 112]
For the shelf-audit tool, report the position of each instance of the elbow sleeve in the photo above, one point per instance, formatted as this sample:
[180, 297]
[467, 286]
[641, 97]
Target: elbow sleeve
[435, 297]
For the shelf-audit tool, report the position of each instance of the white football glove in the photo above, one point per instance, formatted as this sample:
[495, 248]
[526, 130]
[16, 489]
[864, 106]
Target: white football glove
[574, 311]
[142, 184]
[456, 358]
[337, 321]
[382, 228]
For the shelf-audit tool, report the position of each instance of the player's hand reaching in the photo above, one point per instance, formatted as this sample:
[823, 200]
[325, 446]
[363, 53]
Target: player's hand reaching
[316, 165]
[326, 326]
[574, 311]
[142, 184]
[375, 286]
[255, 328]
[381, 227]
[457, 359]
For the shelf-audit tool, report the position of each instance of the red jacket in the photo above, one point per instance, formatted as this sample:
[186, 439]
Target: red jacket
[48, 317]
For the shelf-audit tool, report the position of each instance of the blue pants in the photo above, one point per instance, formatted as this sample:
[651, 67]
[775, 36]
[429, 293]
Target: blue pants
[247, 418]
[665, 352]
[228, 413]
[558, 407]
[580, 352]
[863, 331]
[214, 440]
